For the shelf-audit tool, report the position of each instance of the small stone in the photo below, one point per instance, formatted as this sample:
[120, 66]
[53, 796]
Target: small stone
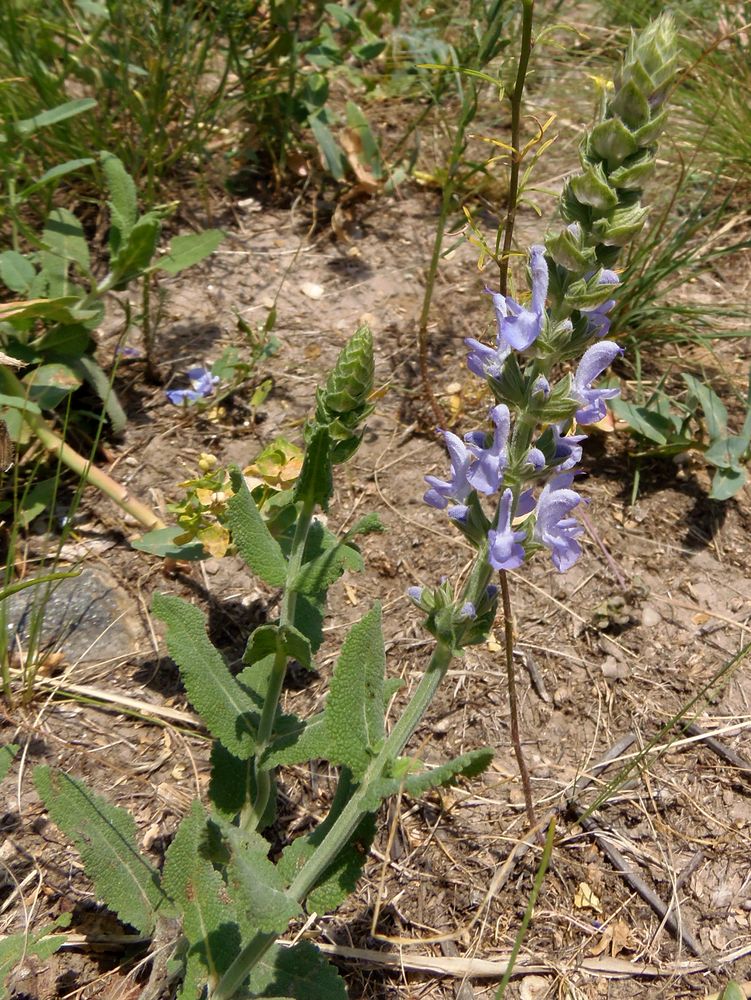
[312, 290]
[650, 616]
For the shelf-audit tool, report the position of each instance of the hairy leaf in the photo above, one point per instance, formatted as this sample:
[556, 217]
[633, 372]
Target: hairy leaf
[254, 541]
[266, 640]
[354, 707]
[209, 918]
[105, 836]
[135, 254]
[308, 740]
[366, 525]
[225, 708]
[41, 944]
[257, 886]
[63, 235]
[123, 203]
[233, 783]
[299, 972]
[315, 484]
[467, 765]
[7, 753]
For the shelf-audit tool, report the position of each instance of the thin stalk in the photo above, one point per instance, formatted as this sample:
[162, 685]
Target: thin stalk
[516, 110]
[508, 631]
[348, 820]
[252, 814]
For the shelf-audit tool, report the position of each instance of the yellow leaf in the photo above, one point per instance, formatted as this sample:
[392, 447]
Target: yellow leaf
[586, 899]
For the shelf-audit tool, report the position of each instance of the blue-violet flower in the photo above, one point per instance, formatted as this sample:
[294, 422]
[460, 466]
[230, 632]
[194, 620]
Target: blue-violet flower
[553, 528]
[504, 550]
[594, 361]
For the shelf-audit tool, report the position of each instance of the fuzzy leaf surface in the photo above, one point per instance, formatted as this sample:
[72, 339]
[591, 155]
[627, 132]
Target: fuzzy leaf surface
[105, 836]
[355, 707]
[315, 484]
[185, 251]
[467, 765]
[266, 640]
[232, 783]
[300, 972]
[123, 203]
[41, 944]
[305, 741]
[209, 919]
[63, 235]
[254, 541]
[225, 708]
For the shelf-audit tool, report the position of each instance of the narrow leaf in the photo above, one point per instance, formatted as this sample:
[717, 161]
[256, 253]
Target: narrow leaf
[336, 162]
[52, 116]
[354, 708]
[185, 251]
[134, 256]
[41, 944]
[225, 708]
[105, 836]
[715, 412]
[64, 235]
[467, 765]
[254, 541]
[123, 203]
[54, 174]
[210, 922]
[7, 753]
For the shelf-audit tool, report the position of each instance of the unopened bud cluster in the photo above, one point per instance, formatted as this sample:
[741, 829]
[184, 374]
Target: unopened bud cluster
[343, 404]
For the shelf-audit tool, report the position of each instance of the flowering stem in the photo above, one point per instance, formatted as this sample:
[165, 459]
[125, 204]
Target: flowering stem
[516, 108]
[348, 820]
[508, 630]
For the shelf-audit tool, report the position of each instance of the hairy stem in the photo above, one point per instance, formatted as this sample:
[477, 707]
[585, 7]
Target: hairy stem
[516, 113]
[348, 820]
[508, 631]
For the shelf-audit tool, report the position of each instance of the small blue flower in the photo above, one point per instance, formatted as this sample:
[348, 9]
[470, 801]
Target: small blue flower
[486, 474]
[484, 361]
[568, 449]
[456, 489]
[504, 551]
[553, 528]
[415, 593]
[594, 361]
[202, 382]
[599, 321]
[468, 612]
[519, 327]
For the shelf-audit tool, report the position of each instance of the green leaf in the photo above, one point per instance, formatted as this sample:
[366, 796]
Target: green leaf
[105, 836]
[64, 236]
[309, 618]
[306, 741]
[336, 161]
[315, 484]
[58, 308]
[733, 991]
[210, 922]
[66, 340]
[16, 271]
[100, 383]
[225, 708]
[19, 403]
[354, 707]
[315, 577]
[7, 753]
[366, 525]
[50, 384]
[134, 256]
[257, 886]
[467, 765]
[54, 174]
[269, 639]
[299, 972]
[644, 421]
[727, 482]
[230, 785]
[161, 542]
[70, 109]
[185, 251]
[715, 413]
[123, 203]
[43, 943]
[254, 541]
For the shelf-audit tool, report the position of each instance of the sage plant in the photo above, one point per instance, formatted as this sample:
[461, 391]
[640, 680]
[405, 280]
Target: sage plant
[215, 910]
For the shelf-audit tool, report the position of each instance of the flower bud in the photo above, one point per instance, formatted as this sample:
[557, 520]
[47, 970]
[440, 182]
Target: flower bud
[351, 381]
[592, 188]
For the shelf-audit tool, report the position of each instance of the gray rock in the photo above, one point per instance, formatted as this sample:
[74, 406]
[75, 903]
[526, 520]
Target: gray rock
[87, 617]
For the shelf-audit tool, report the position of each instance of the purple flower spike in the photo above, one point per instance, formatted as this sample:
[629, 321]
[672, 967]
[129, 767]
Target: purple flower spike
[519, 327]
[553, 528]
[599, 321]
[487, 472]
[458, 487]
[595, 360]
[568, 449]
[504, 550]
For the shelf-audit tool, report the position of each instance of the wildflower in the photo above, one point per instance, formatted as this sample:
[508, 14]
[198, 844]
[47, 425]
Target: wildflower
[519, 327]
[568, 449]
[486, 473]
[553, 528]
[598, 319]
[504, 550]
[468, 611]
[485, 361]
[593, 363]
[456, 489]
[202, 382]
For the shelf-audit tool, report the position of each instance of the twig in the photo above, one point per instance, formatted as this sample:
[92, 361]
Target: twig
[636, 882]
[719, 748]
[612, 564]
[508, 630]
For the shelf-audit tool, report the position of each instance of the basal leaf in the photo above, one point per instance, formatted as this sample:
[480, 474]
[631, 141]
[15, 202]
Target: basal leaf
[715, 413]
[354, 707]
[299, 972]
[185, 251]
[7, 753]
[336, 161]
[209, 919]
[64, 235]
[105, 837]
[88, 368]
[54, 174]
[225, 708]
[727, 482]
[41, 944]
[254, 541]
[16, 271]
